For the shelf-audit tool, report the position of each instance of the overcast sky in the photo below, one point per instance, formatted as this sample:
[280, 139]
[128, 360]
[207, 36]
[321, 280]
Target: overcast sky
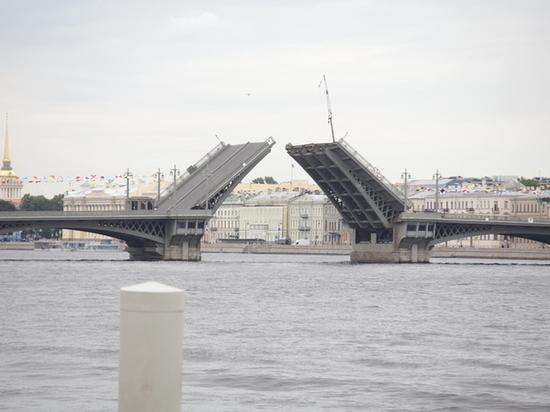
[93, 87]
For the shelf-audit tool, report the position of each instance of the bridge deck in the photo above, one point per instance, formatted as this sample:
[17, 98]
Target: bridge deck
[84, 216]
[212, 178]
[474, 219]
[358, 190]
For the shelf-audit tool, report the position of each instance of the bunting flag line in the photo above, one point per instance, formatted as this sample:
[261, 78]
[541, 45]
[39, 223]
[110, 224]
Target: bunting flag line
[116, 179]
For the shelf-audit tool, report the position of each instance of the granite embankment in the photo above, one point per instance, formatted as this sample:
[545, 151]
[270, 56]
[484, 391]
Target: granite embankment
[438, 252]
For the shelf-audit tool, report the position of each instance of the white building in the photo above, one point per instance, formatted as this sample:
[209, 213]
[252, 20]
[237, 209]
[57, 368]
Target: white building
[225, 222]
[10, 184]
[306, 218]
[513, 204]
[265, 217]
[335, 230]
[89, 198]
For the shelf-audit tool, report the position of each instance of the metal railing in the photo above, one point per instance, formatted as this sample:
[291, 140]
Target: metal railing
[191, 169]
[372, 169]
[252, 160]
[475, 217]
[91, 215]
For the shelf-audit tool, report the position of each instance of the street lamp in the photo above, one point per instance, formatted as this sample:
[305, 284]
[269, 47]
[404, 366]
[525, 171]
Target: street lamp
[437, 176]
[127, 175]
[175, 172]
[159, 175]
[406, 176]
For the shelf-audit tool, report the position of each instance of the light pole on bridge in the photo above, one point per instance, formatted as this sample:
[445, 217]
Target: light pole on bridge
[437, 176]
[127, 175]
[175, 173]
[159, 175]
[406, 176]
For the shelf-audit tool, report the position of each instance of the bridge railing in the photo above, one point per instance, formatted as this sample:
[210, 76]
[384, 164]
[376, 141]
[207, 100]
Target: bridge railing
[372, 169]
[252, 160]
[122, 214]
[191, 169]
[475, 217]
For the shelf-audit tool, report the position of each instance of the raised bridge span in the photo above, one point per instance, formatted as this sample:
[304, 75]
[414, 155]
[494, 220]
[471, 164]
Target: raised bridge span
[375, 209]
[172, 229]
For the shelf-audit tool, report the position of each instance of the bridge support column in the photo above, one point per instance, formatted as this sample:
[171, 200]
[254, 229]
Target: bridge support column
[365, 252]
[414, 253]
[144, 250]
[403, 249]
[186, 248]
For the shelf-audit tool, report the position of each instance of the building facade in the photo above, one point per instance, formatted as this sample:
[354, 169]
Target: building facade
[523, 205]
[290, 186]
[306, 218]
[101, 199]
[92, 200]
[336, 231]
[225, 222]
[265, 217]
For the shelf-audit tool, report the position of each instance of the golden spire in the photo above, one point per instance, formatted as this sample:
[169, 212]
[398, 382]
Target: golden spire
[6, 162]
[6, 143]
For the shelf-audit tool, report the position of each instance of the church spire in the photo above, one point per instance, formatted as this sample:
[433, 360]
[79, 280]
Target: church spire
[6, 161]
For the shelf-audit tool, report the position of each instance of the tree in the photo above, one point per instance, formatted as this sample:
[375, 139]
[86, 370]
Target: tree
[37, 203]
[529, 182]
[265, 180]
[6, 206]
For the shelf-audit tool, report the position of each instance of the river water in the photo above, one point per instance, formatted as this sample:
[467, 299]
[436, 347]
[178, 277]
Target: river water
[279, 332]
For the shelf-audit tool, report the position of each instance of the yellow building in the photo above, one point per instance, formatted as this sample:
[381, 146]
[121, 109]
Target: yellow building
[265, 217]
[11, 186]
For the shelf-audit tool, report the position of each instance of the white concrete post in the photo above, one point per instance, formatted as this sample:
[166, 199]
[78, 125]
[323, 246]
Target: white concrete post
[151, 330]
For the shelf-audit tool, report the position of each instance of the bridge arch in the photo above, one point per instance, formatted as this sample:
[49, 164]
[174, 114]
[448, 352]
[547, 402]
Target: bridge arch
[135, 232]
[456, 232]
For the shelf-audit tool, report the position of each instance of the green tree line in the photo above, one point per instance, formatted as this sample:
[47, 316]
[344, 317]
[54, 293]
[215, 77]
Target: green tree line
[31, 203]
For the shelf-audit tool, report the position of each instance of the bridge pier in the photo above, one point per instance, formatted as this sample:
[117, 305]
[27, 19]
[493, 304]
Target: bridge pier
[365, 252]
[144, 250]
[184, 248]
[187, 248]
[398, 247]
[414, 253]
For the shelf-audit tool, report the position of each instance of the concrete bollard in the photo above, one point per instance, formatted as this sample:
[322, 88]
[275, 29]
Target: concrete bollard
[151, 330]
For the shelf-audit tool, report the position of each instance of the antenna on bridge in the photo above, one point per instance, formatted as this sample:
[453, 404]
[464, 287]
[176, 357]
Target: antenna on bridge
[328, 107]
[219, 140]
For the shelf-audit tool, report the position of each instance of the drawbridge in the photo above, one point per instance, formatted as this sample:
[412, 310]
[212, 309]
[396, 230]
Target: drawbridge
[367, 201]
[167, 229]
[384, 230]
